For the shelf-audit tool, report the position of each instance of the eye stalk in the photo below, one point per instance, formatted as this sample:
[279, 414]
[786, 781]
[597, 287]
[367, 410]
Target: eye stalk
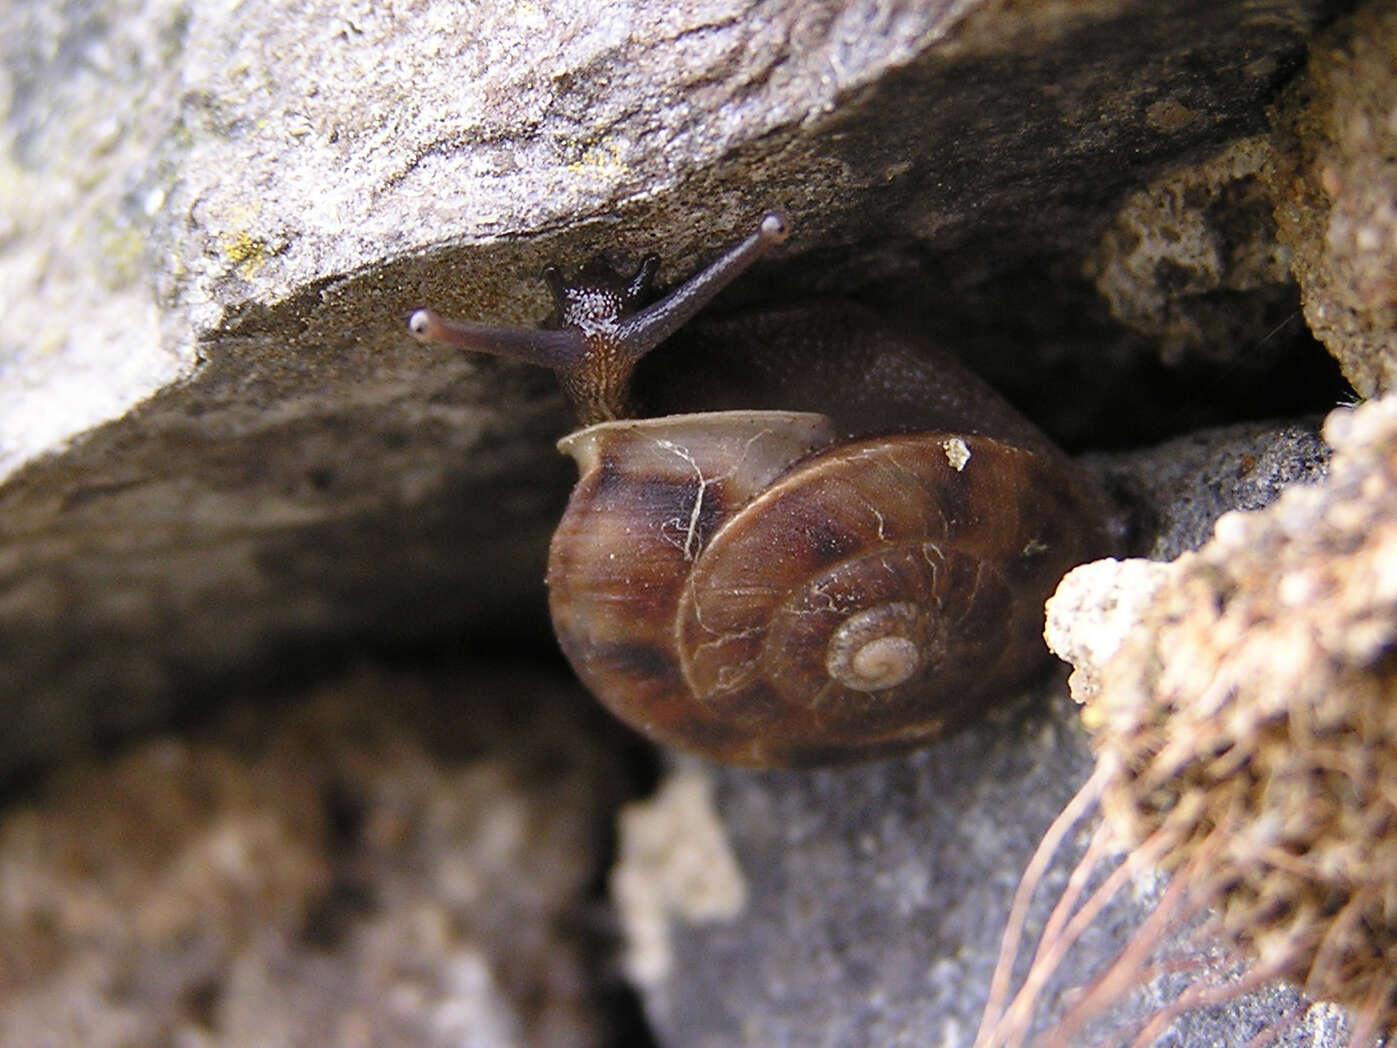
[603, 329]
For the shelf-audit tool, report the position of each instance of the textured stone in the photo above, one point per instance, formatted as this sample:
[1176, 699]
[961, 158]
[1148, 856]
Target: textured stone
[1177, 490]
[1184, 255]
[674, 863]
[1335, 183]
[874, 894]
[386, 861]
[252, 203]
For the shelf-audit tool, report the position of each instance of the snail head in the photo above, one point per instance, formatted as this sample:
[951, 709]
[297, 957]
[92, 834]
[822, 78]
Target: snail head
[603, 324]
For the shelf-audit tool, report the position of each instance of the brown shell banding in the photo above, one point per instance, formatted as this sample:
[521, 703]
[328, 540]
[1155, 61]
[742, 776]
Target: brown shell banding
[697, 580]
[874, 522]
[651, 493]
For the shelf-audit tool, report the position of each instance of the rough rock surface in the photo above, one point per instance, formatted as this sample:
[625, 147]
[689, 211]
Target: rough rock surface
[1244, 717]
[1182, 256]
[175, 171]
[1176, 491]
[253, 203]
[230, 213]
[369, 867]
[1335, 187]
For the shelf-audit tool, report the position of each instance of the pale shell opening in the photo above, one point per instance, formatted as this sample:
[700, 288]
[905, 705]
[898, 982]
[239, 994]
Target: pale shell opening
[784, 436]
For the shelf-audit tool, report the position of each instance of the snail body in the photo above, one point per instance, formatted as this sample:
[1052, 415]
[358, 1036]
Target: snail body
[759, 588]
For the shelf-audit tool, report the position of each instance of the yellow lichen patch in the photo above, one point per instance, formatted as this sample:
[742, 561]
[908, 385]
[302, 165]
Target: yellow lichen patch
[605, 156]
[123, 253]
[245, 251]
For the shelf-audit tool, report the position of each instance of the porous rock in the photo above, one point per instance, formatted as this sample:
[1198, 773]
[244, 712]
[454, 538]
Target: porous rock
[1335, 182]
[1183, 256]
[1245, 720]
[364, 868]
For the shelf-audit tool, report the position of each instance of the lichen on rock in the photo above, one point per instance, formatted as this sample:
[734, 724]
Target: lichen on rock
[1246, 723]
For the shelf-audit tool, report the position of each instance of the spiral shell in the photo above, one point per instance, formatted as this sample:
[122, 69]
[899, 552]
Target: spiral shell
[734, 584]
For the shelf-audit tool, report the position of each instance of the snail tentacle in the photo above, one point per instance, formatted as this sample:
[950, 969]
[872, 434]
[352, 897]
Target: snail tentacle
[558, 350]
[603, 330]
[641, 333]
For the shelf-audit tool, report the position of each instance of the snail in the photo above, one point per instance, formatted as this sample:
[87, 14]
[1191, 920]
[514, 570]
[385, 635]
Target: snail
[776, 587]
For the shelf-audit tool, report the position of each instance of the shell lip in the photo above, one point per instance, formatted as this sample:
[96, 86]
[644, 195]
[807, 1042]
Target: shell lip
[796, 433]
[757, 419]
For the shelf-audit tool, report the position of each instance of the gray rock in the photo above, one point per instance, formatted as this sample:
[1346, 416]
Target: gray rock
[363, 867]
[249, 204]
[1178, 489]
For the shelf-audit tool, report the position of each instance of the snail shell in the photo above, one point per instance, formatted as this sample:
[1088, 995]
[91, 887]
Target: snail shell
[737, 584]
[749, 586]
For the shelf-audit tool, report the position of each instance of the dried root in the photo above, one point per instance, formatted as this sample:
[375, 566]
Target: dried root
[1246, 739]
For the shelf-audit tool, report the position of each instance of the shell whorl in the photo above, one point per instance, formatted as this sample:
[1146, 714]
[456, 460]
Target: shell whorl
[850, 598]
[763, 602]
[877, 648]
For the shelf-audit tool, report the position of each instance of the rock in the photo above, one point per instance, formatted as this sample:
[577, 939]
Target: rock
[386, 861]
[215, 223]
[1182, 255]
[1177, 490]
[1242, 719]
[873, 895]
[674, 862]
[1093, 612]
[251, 205]
[1334, 182]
